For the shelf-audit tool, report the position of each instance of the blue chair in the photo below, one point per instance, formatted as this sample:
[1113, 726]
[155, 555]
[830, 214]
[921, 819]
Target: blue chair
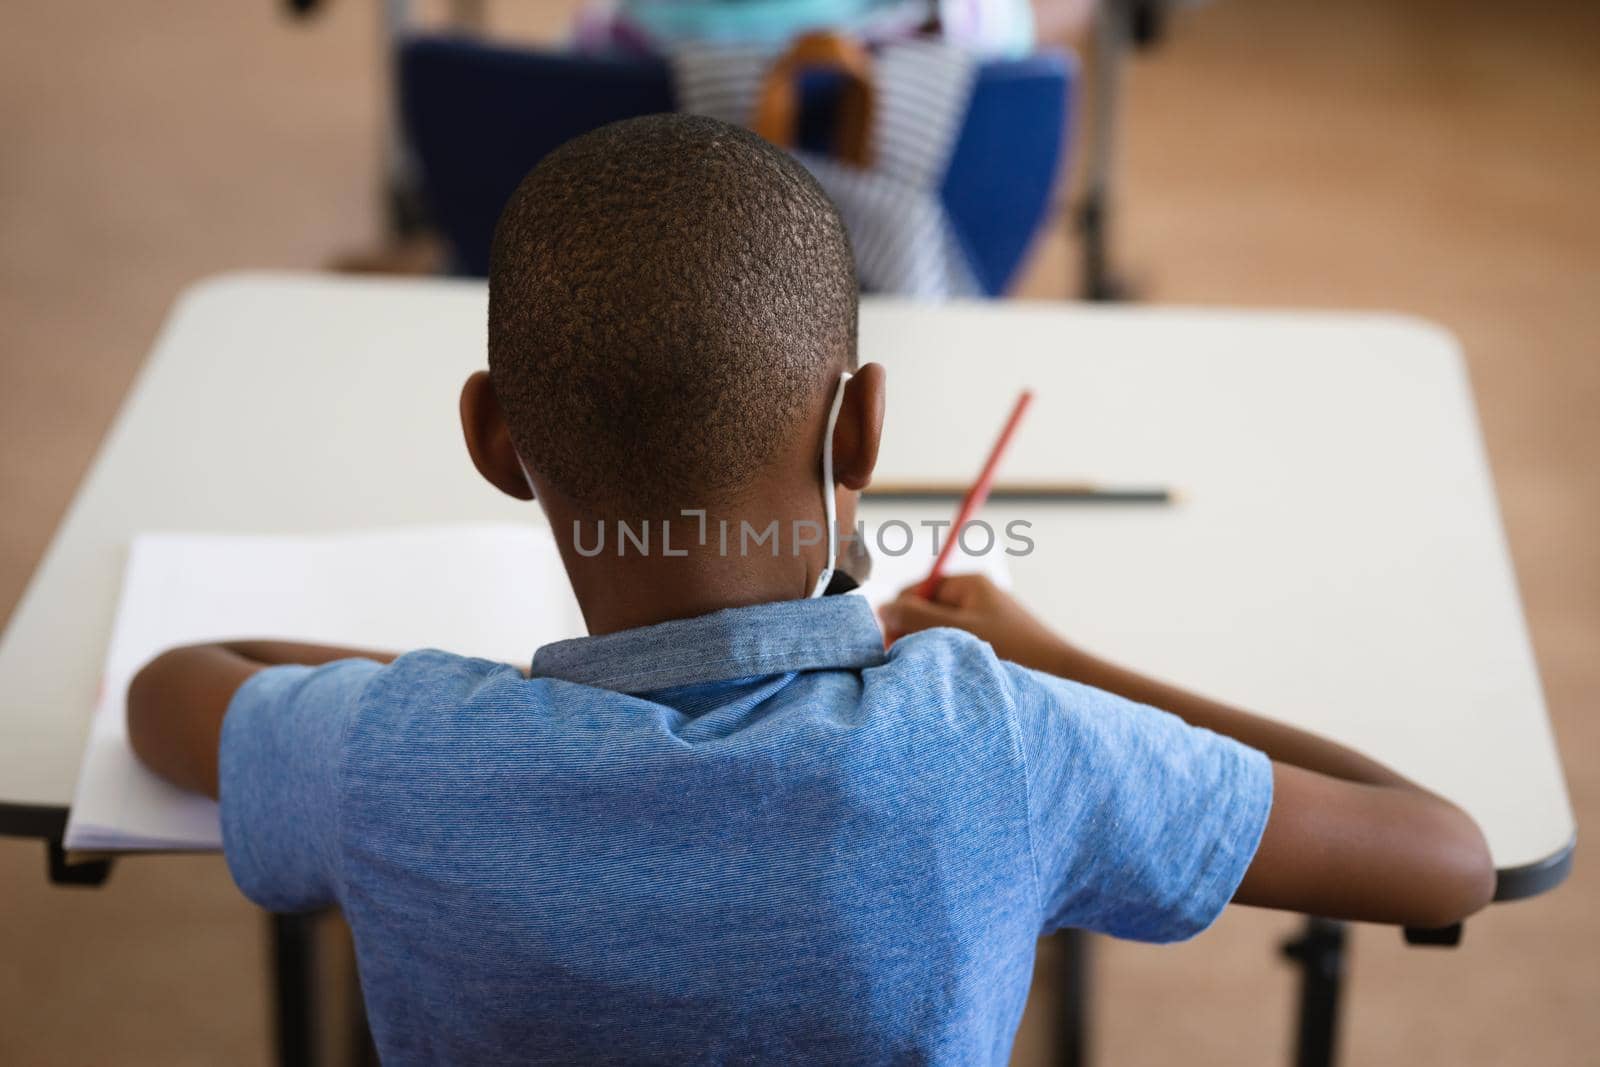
[477, 116]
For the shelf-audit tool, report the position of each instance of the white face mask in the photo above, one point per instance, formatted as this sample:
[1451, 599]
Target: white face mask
[828, 502]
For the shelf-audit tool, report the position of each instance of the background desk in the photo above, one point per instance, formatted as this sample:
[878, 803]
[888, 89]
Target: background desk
[1337, 561]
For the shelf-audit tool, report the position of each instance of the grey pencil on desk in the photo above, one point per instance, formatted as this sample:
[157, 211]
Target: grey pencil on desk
[1030, 492]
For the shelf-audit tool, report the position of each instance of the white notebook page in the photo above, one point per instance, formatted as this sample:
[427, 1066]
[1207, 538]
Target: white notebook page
[488, 590]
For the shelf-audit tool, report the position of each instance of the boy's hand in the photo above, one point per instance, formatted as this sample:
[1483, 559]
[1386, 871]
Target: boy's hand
[972, 602]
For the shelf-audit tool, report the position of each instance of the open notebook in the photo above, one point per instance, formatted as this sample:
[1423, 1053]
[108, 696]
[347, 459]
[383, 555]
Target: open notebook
[496, 591]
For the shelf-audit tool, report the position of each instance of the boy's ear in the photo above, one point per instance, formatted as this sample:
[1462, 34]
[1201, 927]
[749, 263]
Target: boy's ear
[483, 423]
[860, 428]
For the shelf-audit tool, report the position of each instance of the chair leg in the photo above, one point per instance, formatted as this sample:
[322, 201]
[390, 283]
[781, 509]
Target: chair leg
[294, 963]
[363, 1049]
[1072, 1016]
[1319, 951]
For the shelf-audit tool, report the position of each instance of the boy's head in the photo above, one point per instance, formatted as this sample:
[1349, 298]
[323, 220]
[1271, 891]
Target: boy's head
[670, 300]
[672, 310]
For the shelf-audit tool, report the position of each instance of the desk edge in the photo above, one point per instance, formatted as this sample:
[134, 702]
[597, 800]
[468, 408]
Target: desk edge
[1532, 879]
[49, 823]
[45, 821]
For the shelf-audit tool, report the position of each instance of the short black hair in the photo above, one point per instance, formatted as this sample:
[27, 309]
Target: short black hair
[668, 296]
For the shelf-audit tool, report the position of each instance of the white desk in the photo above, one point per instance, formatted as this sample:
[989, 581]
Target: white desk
[1337, 560]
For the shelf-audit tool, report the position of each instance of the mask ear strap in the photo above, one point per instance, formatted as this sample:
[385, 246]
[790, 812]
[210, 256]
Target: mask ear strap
[828, 503]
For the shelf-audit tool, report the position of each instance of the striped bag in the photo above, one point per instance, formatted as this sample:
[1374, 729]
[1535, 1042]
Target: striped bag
[901, 110]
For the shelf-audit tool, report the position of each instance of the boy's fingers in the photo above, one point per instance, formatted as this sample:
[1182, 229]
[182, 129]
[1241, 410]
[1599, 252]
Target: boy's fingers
[910, 613]
[954, 589]
[959, 589]
[909, 590]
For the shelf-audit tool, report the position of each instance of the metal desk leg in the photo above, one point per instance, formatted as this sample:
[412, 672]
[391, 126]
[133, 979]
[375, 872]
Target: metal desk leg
[1319, 950]
[1072, 1015]
[1111, 40]
[294, 966]
[92, 873]
[1119, 27]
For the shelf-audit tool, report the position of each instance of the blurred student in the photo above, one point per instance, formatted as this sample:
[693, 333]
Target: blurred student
[985, 27]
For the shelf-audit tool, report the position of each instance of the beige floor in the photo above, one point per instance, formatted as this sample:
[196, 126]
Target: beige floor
[1436, 158]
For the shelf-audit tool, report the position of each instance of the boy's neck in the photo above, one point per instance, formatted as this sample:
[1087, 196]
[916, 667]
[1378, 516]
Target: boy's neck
[626, 593]
[623, 581]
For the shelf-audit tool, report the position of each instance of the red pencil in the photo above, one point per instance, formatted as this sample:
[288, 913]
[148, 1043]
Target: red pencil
[975, 497]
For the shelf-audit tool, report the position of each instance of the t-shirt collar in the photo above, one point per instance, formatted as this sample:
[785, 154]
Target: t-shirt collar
[828, 633]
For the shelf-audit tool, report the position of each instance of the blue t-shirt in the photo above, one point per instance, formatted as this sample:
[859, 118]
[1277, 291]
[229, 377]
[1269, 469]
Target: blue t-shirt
[749, 837]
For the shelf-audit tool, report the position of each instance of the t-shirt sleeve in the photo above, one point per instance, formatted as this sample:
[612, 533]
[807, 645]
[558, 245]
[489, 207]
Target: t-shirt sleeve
[1142, 826]
[278, 770]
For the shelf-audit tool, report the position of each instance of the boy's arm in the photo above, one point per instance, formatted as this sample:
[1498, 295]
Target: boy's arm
[1347, 837]
[176, 702]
